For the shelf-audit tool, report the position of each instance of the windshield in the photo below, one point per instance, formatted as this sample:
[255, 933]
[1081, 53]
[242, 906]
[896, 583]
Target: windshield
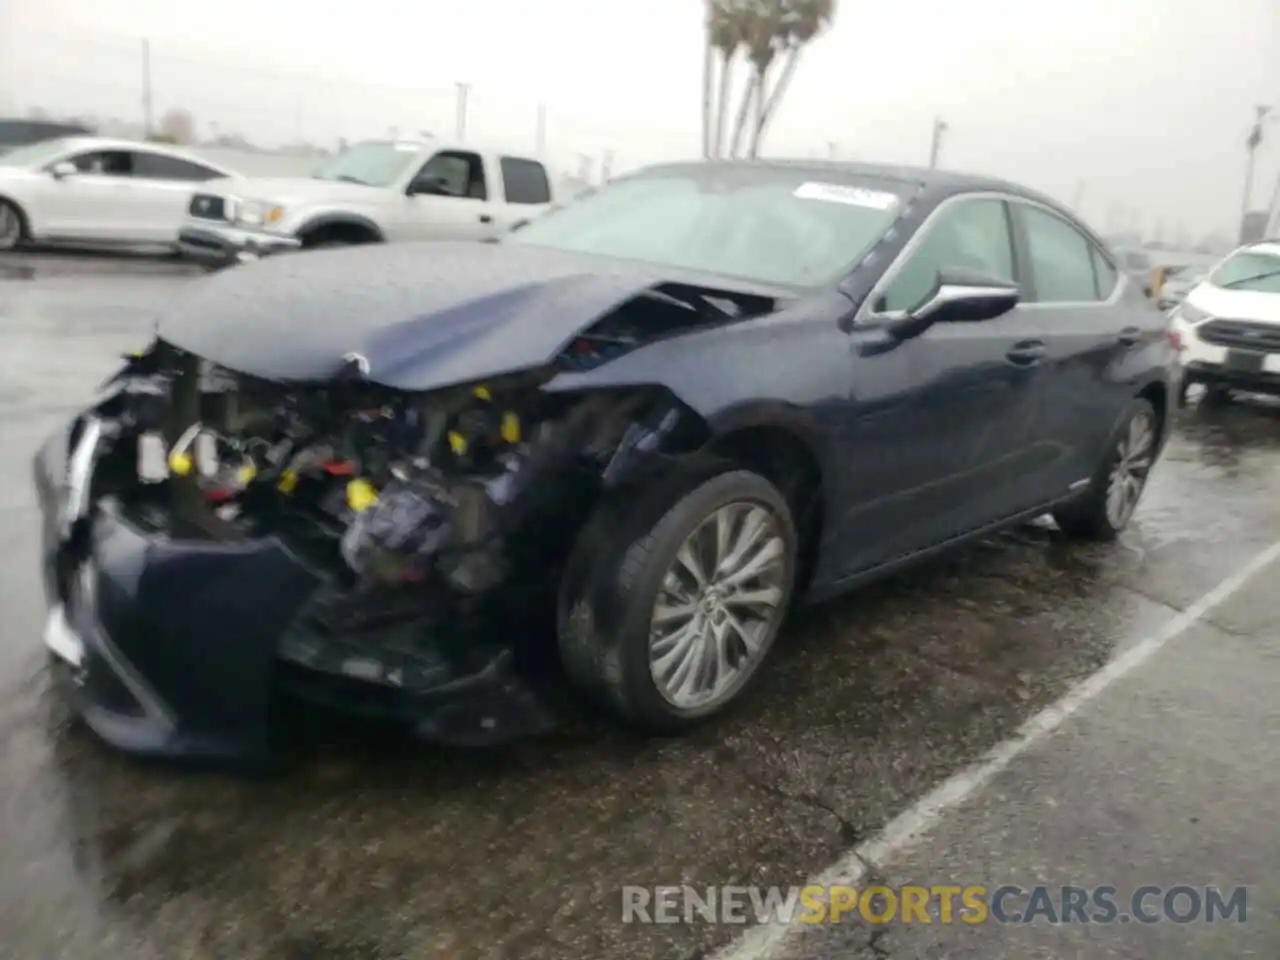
[375, 163]
[764, 224]
[1257, 270]
[33, 154]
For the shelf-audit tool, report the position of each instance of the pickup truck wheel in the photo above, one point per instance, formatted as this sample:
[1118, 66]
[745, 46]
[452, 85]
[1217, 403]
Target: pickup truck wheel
[672, 600]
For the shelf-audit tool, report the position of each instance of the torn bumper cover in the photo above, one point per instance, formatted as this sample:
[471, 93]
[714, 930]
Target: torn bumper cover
[171, 647]
[363, 500]
[183, 605]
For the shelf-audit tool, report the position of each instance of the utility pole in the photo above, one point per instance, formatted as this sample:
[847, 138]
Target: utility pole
[1251, 147]
[1078, 197]
[939, 128]
[461, 131]
[542, 131]
[146, 87]
[833, 150]
[606, 166]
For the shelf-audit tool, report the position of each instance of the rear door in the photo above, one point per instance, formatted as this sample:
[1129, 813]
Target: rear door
[526, 190]
[952, 440]
[1092, 318]
[163, 185]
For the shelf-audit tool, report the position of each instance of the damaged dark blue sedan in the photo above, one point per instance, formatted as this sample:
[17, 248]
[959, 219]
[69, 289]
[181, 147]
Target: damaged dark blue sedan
[645, 424]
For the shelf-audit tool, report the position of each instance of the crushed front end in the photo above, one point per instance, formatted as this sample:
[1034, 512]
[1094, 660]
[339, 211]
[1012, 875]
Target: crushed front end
[213, 541]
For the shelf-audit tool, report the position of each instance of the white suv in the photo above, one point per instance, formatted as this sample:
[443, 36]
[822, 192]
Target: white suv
[1228, 327]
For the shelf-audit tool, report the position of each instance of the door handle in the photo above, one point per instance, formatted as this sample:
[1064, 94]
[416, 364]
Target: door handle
[1129, 336]
[485, 218]
[1027, 353]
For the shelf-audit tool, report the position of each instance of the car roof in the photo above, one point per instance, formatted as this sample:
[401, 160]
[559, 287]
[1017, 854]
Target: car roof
[1271, 247]
[939, 182]
[112, 143]
[452, 145]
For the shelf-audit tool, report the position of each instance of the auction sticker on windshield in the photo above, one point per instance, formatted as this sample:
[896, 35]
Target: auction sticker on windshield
[855, 196]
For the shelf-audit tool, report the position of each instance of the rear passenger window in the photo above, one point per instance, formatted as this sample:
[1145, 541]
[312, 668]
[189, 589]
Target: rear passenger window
[1106, 274]
[1061, 258]
[972, 235]
[525, 181]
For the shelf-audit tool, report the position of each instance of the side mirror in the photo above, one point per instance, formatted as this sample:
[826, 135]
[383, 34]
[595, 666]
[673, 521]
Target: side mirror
[429, 185]
[959, 296]
[63, 168]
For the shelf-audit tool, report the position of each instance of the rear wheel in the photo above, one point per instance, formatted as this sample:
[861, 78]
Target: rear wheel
[12, 225]
[668, 618]
[1117, 485]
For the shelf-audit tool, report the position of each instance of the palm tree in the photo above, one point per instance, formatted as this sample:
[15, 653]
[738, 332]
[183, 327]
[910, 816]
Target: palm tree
[723, 32]
[760, 26]
[708, 82]
[798, 23]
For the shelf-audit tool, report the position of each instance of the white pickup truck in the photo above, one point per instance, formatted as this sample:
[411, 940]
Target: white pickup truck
[372, 192]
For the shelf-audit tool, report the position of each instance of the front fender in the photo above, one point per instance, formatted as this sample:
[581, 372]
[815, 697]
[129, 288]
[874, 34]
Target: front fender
[323, 218]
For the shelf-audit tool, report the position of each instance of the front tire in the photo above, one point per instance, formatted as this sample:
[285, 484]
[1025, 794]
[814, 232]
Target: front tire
[1117, 485]
[673, 599]
[12, 226]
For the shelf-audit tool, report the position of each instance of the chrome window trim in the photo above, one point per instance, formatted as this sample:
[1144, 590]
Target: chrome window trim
[866, 315]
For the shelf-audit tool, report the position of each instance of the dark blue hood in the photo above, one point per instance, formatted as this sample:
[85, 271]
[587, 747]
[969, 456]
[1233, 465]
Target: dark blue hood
[425, 315]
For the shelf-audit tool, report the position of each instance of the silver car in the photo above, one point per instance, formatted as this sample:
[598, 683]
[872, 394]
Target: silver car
[96, 191]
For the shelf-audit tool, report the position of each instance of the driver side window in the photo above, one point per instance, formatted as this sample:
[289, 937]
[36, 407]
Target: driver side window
[970, 235]
[110, 163]
[459, 174]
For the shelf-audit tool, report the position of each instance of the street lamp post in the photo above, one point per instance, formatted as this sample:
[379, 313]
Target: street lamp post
[939, 128]
[1251, 147]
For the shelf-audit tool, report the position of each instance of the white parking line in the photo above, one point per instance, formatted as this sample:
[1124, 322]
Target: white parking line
[910, 826]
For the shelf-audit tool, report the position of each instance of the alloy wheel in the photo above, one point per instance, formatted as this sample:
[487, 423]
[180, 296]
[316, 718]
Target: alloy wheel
[1135, 453]
[718, 606]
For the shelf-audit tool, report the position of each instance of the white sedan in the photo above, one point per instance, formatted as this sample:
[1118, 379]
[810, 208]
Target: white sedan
[96, 191]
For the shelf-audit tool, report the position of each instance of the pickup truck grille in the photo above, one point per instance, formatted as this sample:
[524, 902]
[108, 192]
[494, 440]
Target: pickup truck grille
[206, 206]
[1241, 335]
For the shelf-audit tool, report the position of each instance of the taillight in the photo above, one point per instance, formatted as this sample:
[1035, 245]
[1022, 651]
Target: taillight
[1175, 339]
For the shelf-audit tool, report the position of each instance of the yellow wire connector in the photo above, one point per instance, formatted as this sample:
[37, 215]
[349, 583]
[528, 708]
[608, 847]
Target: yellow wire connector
[482, 393]
[361, 495]
[288, 481]
[180, 463]
[457, 442]
[510, 428]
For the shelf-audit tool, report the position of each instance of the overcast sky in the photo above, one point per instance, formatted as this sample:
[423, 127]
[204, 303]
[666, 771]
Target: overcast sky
[1140, 103]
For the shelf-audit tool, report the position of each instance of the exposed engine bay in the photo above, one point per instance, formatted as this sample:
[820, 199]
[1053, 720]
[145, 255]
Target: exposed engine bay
[411, 509]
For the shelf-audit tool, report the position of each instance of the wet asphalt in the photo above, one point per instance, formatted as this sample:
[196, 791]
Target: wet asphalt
[367, 847]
